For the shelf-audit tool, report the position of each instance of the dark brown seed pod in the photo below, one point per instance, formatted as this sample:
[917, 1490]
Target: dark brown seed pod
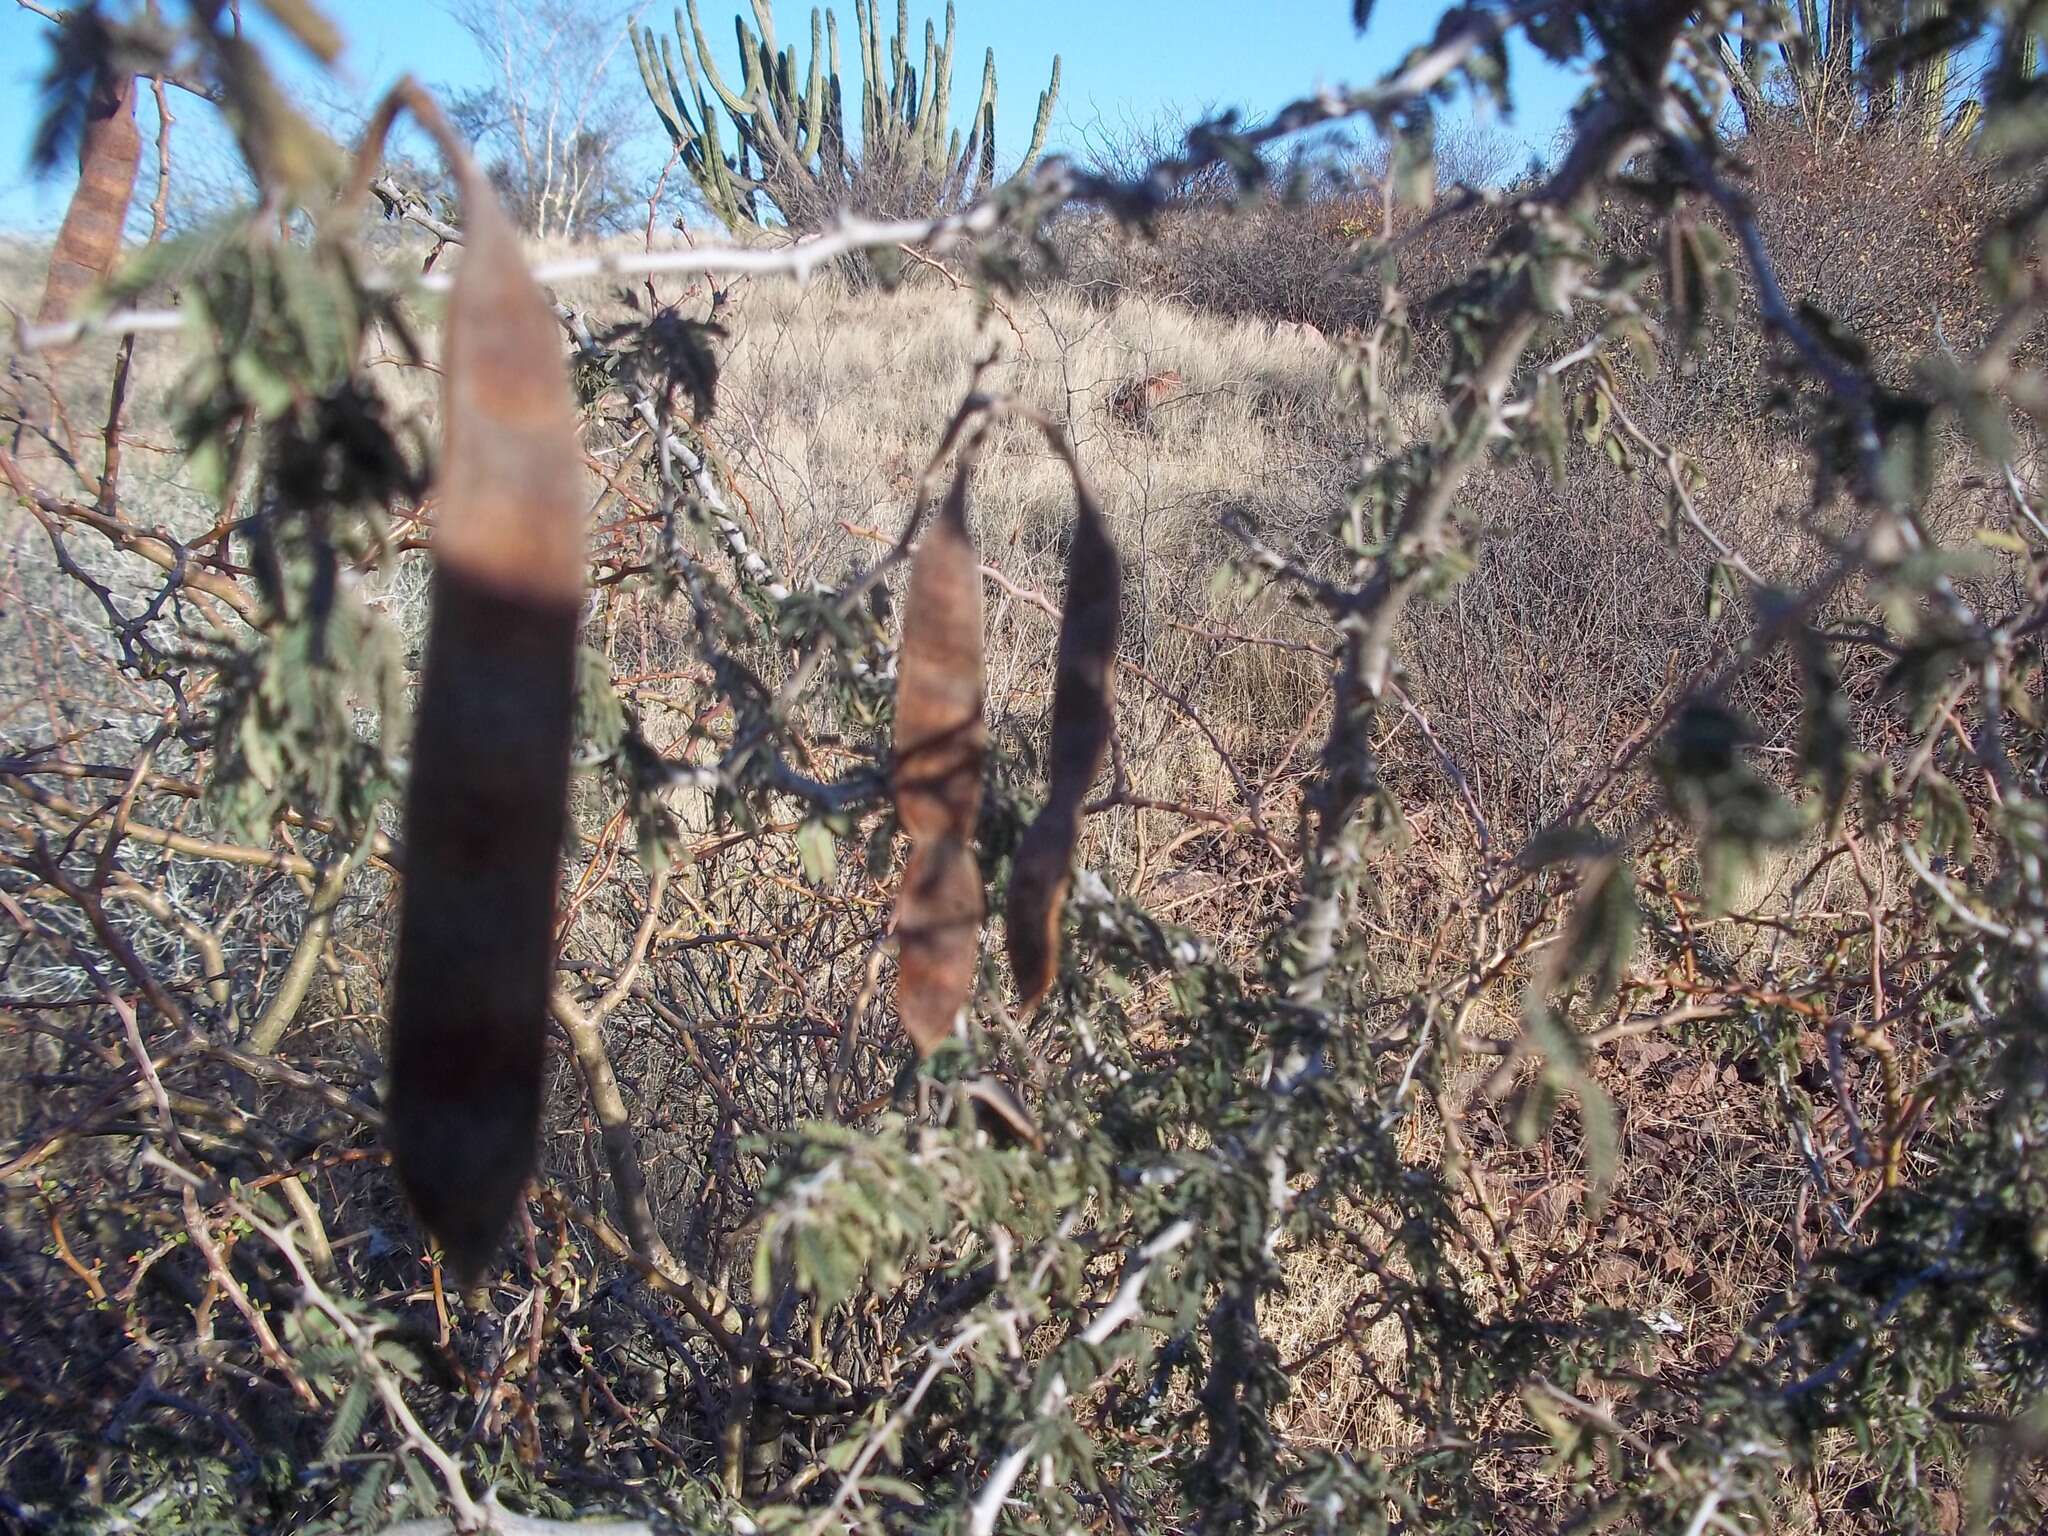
[488, 791]
[90, 240]
[1001, 1114]
[941, 742]
[1083, 715]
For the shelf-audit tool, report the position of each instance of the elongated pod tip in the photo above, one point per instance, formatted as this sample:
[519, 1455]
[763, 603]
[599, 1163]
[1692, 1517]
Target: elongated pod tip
[487, 796]
[938, 940]
[1038, 891]
[1001, 1114]
[1083, 718]
[485, 813]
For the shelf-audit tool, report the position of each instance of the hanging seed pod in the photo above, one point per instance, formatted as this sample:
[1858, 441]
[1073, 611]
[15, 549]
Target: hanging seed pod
[488, 791]
[938, 938]
[89, 242]
[941, 742]
[1001, 1114]
[1083, 695]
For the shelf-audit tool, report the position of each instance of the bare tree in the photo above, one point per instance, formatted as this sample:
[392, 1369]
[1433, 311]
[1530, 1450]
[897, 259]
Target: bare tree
[551, 127]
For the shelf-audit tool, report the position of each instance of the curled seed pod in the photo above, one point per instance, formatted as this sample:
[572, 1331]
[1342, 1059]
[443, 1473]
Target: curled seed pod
[1001, 1114]
[488, 791]
[936, 777]
[1083, 703]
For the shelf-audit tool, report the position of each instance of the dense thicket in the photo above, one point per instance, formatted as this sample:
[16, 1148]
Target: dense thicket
[1532, 1019]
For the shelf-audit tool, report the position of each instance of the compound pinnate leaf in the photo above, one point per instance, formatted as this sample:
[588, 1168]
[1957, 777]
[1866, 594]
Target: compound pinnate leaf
[941, 742]
[1083, 703]
[488, 791]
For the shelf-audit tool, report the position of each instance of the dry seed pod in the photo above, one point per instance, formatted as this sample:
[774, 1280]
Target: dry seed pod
[936, 777]
[1001, 1114]
[90, 239]
[938, 938]
[1083, 696]
[940, 737]
[488, 789]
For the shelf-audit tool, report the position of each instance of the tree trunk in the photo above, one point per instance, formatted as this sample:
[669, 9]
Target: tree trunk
[90, 240]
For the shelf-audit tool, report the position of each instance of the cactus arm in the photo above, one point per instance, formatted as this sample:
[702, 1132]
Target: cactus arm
[1842, 17]
[1740, 65]
[888, 93]
[970, 155]
[734, 102]
[965, 171]
[769, 128]
[785, 156]
[1809, 25]
[667, 98]
[984, 113]
[942, 107]
[834, 149]
[985, 103]
[810, 137]
[713, 176]
[870, 73]
[1927, 90]
[899, 56]
[1043, 122]
[788, 105]
[732, 207]
[950, 172]
[920, 114]
[752, 62]
[700, 153]
[764, 18]
[1807, 71]
[988, 135]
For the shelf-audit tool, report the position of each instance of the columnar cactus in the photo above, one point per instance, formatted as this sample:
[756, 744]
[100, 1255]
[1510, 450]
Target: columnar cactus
[1924, 94]
[791, 161]
[1826, 69]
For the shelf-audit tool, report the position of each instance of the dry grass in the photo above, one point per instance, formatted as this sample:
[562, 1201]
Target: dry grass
[830, 403]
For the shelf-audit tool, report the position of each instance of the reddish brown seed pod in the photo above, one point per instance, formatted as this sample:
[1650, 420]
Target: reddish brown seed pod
[938, 939]
[1083, 715]
[941, 739]
[89, 242]
[488, 789]
[941, 742]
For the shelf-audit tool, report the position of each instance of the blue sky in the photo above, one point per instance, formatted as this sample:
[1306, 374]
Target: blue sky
[1122, 59]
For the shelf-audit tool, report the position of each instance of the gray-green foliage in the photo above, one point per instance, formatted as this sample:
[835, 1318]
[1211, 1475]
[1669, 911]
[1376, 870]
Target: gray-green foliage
[794, 160]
